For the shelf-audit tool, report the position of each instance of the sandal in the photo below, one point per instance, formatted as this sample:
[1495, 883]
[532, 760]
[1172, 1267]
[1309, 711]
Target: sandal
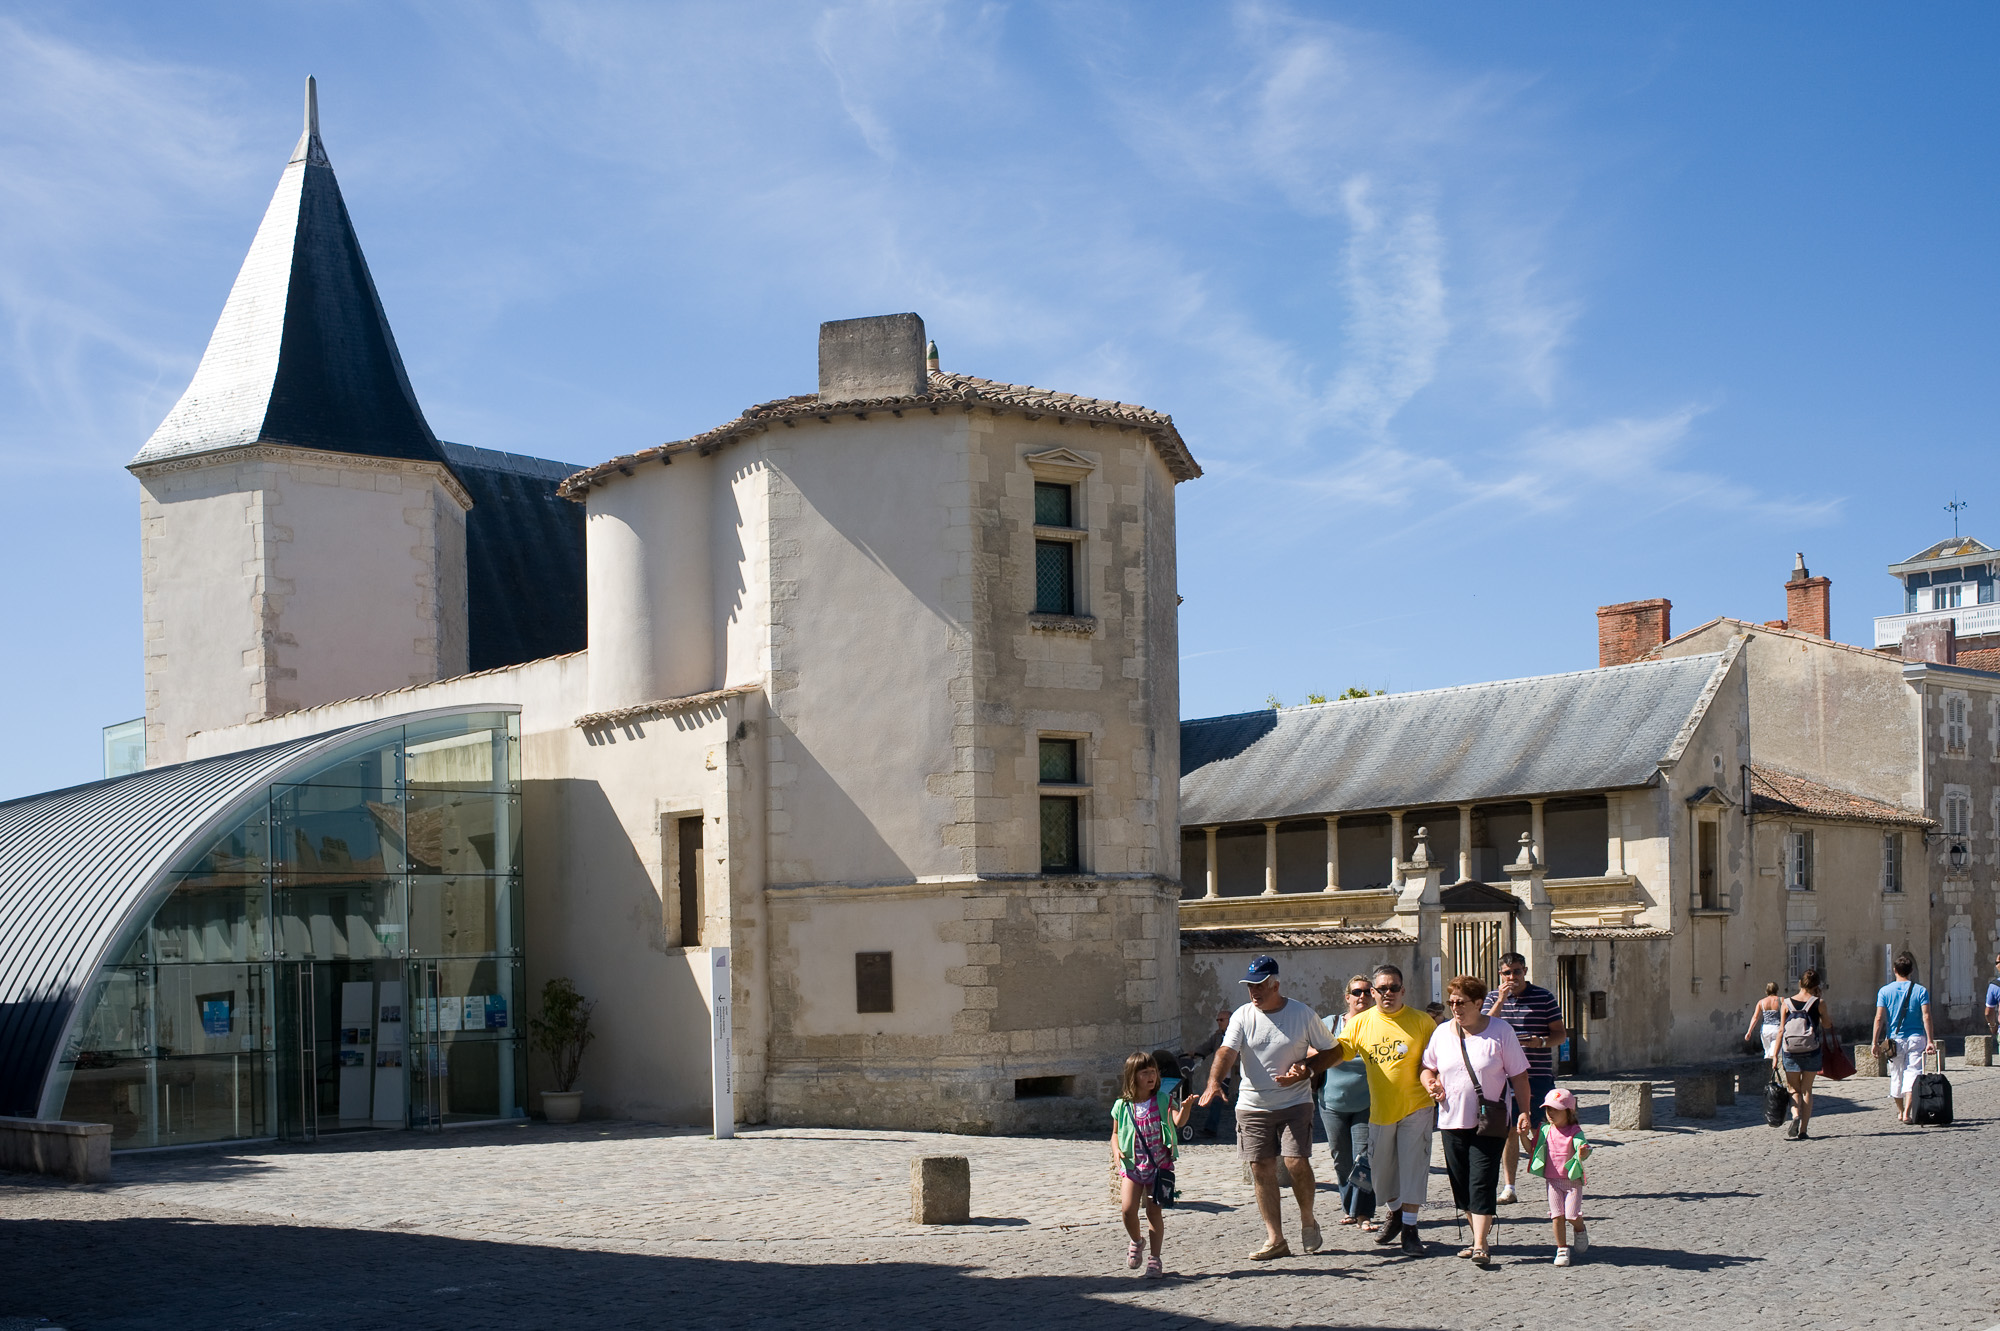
[1481, 1257]
[1466, 1252]
[1350, 1220]
[1369, 1227]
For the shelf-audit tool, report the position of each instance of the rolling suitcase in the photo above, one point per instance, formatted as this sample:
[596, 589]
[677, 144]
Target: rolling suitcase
[1930, 1099]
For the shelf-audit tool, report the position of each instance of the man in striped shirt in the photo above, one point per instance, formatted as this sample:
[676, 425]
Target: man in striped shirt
[1537, 1018]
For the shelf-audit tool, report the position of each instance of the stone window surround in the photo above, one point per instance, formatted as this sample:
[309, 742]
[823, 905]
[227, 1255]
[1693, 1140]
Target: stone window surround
[1079, 790]
[1060, 466]
[670, 873]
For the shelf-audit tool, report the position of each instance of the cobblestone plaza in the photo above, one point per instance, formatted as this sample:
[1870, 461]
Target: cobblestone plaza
[1698, 1224]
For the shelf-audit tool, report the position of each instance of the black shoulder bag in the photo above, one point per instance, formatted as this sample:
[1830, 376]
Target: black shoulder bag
[1492, 1113]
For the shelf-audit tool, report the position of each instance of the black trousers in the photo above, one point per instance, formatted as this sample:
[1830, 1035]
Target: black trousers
[1473, 1164]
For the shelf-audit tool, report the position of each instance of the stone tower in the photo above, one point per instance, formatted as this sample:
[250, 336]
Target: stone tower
[302, 535]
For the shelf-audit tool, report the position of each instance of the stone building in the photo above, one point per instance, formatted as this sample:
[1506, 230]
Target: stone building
[1594, 821]
[873, 714]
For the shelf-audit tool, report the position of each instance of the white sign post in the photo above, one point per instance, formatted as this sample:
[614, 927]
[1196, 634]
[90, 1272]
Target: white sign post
[718, 1006]
[1437, 979]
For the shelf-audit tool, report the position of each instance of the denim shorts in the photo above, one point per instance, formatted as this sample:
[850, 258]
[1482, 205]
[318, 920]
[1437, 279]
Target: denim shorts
[1800, 1062]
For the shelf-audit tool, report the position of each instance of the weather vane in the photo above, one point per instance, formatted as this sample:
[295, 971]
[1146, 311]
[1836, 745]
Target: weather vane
[1955, 507]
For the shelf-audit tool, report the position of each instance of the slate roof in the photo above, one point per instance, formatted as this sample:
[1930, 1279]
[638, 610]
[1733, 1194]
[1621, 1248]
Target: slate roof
[524, 563]
[302, 354]
[1589, 730]
[1958, 547]
[946, 390]
[1783, 794]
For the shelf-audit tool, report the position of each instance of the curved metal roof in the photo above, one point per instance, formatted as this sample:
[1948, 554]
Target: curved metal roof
[77, 865]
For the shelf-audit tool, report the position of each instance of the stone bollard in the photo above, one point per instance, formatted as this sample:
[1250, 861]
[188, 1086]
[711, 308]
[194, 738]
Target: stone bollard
[1724, 1089]
[1979, 1051]
[1865, 1062]
[1632, 1105]
[940, 1190]
[1694, 1097]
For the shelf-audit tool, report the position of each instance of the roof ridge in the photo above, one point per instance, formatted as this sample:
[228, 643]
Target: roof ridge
[1599, 671]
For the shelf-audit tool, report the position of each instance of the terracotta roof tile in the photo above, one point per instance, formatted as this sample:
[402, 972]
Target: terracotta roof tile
[946, 390]
[1782, 793]
[1262, 940]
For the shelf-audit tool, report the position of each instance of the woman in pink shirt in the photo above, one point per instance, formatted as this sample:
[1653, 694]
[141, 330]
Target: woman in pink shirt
[1474, 1057]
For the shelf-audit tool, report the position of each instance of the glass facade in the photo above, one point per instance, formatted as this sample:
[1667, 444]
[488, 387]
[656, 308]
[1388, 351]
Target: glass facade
[346, 955]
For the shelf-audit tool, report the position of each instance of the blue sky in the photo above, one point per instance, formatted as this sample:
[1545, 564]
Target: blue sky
[1478, 317]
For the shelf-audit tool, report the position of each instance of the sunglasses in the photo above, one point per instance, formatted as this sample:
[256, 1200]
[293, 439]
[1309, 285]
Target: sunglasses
[1388, 988]
[1357, 993]
[1456, 1002]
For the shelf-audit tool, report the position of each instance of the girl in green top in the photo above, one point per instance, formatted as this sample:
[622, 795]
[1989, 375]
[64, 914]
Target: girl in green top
[1145, 1141]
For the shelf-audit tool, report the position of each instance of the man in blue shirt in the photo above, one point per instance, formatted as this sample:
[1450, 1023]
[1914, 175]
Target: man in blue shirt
[1903, 1019]
[1993, 1001]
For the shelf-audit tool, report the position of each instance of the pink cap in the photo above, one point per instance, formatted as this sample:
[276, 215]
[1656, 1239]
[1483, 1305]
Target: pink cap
[1560, 1099]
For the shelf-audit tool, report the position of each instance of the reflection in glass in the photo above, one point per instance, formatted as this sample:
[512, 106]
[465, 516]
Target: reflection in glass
[346, 954]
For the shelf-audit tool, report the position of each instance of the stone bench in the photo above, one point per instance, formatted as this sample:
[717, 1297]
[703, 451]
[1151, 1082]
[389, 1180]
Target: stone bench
[940, 1190]
[79, 1152]
[1694, 1097]
[1632, 1105]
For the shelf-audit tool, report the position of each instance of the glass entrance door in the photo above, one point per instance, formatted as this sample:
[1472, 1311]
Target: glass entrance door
[298, 1051]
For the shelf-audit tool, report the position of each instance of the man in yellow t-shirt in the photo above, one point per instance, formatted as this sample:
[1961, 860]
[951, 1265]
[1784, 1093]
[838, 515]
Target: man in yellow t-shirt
[1390, 1039]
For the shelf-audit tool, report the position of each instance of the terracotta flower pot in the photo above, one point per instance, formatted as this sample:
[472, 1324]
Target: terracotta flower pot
[562, 1106]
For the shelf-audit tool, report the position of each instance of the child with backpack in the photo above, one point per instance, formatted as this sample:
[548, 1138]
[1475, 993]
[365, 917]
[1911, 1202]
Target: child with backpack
[1145, 1141]
[1559, 1152]
[1799, 1055]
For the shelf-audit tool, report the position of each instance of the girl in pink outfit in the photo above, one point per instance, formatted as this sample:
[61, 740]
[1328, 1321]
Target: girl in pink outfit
[1560, 1150]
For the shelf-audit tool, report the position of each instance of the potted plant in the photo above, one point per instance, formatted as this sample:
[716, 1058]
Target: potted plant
[563, 1033]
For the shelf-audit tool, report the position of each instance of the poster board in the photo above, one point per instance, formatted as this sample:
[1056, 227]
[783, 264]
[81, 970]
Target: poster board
[391, 1074]
[355, 1048]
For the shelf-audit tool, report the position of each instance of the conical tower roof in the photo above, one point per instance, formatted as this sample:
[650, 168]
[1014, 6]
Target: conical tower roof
[303, 354]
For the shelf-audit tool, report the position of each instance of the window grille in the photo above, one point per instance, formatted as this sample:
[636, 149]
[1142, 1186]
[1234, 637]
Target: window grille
[1053, 505]
[1055, 578]
[1059, 833]
[1058, 762]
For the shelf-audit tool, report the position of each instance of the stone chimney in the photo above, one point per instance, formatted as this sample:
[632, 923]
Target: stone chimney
[881, 356]
[1627, 632]
[1934, 640]
[1808, 602]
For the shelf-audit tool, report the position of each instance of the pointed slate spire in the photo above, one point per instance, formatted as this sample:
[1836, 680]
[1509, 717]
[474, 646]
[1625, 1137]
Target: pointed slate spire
[302, 354]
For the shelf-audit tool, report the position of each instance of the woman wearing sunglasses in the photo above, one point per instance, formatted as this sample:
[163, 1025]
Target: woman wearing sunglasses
[1391, 1038]
[1471, 1064]
[1343, 1110]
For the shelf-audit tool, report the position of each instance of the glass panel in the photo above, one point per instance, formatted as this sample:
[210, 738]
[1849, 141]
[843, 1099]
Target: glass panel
[463, 831]
[467, 1058]
[199, 923]
[328, 917]
[1059, 761]
[239, 856]
[1059, 832]
[476, 752]
[323, 829]
[1052, 505]
[461, 915]
[1054, 593]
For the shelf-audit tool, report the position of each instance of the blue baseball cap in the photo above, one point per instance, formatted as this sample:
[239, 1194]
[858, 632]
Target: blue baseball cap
[1262, 969]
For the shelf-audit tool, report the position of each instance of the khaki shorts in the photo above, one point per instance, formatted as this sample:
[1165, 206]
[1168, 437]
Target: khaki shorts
[1265, 1134]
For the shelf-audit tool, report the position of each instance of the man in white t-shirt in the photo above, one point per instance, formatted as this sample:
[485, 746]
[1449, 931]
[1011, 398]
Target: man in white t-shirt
[1273, 1039]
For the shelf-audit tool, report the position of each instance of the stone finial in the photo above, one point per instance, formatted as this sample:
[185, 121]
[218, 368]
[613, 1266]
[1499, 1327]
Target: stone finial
[1420, 858]
[1525, 862]
[931, 357]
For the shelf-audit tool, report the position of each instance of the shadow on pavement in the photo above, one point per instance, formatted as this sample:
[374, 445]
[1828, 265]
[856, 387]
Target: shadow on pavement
[165, 1274]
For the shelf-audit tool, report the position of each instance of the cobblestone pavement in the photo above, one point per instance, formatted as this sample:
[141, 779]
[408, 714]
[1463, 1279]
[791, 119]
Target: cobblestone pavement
[1701, 1224]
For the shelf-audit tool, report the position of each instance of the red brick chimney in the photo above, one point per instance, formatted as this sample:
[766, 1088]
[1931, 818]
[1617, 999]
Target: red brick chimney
[1808, 602]
[1627, 632]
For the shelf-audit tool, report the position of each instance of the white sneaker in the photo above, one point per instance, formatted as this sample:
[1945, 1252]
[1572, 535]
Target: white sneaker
[1507, 1193]
[1562, 1256]
[1580, 1239]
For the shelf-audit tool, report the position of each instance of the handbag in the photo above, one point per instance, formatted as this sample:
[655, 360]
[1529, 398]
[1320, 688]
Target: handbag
[1492, 1113]
[1834, 1064]
[1777, 1102]
[1886, 1047]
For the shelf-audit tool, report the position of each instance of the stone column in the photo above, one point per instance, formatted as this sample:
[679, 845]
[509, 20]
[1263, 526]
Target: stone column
[1395, 848]
[1417, 909]
[1464, 842]
[1527, 875]
[1208, 835]
[1333, 853]
[1271, 857]
[1538, 829]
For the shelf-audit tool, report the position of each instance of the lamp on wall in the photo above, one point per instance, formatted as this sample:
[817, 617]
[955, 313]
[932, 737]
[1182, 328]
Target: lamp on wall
[1957, 855]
